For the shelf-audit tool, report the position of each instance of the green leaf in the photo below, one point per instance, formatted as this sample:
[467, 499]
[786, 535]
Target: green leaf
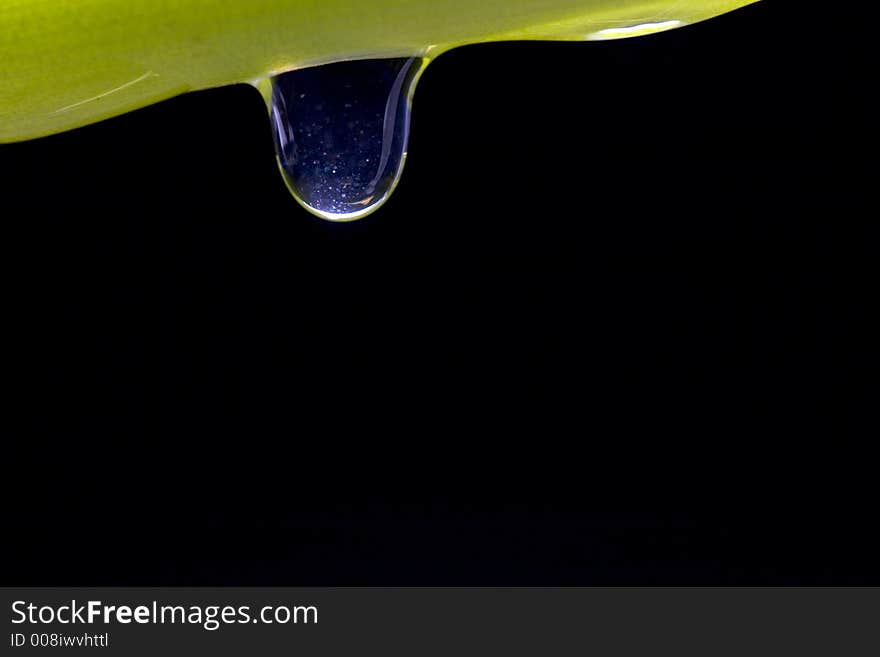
[64, 64]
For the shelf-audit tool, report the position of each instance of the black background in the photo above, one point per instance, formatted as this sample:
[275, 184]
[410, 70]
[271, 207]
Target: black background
[615, 326]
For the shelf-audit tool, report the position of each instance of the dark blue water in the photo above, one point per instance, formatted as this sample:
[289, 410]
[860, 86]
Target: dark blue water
[341, 131]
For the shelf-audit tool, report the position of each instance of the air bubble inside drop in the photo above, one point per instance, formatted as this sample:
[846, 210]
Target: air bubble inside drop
[341, 132]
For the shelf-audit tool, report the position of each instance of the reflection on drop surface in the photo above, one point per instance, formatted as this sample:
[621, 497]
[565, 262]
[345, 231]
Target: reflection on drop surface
[341, 131]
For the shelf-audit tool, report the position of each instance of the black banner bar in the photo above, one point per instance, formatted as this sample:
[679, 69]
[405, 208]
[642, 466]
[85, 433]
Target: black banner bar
[408, 622]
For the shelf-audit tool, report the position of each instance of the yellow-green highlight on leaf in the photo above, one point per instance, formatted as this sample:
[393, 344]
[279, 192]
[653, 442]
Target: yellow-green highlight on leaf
[68, 63]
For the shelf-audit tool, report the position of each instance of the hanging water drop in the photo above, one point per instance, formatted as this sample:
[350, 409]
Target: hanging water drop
[341, 132]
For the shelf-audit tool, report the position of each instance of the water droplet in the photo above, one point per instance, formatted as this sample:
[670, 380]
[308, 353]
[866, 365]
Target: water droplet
[341, 132]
